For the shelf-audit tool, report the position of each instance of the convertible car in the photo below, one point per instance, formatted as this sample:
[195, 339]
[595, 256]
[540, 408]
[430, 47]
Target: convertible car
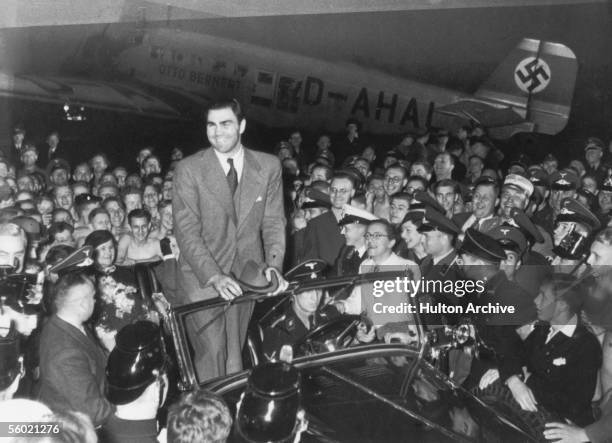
[373, 392]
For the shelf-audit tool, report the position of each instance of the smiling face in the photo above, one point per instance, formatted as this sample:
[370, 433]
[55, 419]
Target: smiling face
[117, 214]
[484, 201]
[446, 196]
[512, 198]
[398, 209]
[150, 197]
[395, 180]
[378, 242]
[140, 228]
[224, 130]
[411, 235]
[340, 192]
[308, 301]
[105, 254]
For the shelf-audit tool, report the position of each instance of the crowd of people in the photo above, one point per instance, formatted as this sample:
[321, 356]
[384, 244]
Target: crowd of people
[442, 206]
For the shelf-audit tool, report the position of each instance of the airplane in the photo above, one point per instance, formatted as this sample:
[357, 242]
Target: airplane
[163, 72]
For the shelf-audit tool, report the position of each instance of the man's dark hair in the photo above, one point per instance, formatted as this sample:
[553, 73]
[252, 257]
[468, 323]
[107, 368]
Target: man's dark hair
[450, 156]
[346, 176]
[492, 183]
[139, 213]
[449, 183]
[418, 178]
[117, 200]
[402, 196]
[199, 416]
[97, 211]
[329, 173]
[233, 104]
[399, 168]
[425, 165]
[164, 204]
[454, 144]
[566, 288]
[58, 227]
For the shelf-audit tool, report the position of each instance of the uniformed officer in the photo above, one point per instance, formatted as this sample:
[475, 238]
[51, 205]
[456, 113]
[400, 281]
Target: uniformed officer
[563, 185]
[543, 214]
[535, 267]
[514, 244]
[573, 228]
[136, 383]
[604, 200]
[353, 225]
[481, 257]
[301, 315]
[439, 237]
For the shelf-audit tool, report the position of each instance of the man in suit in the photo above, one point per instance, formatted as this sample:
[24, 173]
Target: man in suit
[484, 201]
[72, 361]
[228, 210]
[562, 357]
[12, 151]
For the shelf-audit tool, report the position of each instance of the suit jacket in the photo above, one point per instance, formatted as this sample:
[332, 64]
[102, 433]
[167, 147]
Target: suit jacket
[218, 234]
[72, 371]
[564, 371]
[322, 239]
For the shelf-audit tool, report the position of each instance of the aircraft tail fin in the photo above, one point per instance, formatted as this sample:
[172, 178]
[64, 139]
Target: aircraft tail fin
[537, 81]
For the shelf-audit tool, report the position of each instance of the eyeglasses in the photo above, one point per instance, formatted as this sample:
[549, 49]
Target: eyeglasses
[393, 179]
[375, 236]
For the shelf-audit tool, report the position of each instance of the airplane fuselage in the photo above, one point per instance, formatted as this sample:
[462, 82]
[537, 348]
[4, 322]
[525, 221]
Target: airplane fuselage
[282, 89]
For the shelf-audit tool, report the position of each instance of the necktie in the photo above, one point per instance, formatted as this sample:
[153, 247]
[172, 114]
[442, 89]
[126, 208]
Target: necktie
[232, 176]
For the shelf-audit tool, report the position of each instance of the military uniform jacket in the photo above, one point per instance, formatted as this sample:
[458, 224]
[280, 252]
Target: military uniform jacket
[563, 371]
[288, 329]
[445, 269]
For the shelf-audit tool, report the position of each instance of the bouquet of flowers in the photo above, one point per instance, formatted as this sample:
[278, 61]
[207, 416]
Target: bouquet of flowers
[117, 308]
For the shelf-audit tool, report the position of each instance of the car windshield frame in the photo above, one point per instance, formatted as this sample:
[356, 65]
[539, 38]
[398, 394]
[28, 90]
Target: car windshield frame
[177, 315]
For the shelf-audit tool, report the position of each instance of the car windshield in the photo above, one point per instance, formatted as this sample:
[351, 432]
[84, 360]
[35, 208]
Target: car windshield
[382, 393]
[336, 334]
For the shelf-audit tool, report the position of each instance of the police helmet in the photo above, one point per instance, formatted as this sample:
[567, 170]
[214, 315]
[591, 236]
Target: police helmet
[269, 407]
[138, 358]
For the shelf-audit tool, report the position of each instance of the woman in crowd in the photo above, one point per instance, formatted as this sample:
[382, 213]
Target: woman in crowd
[119, 300]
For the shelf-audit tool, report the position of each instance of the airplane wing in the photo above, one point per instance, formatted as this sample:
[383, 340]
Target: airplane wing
[485, 114]
[91, 94]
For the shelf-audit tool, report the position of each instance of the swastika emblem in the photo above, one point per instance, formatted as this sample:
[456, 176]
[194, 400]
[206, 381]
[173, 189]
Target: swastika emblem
[532, 75]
